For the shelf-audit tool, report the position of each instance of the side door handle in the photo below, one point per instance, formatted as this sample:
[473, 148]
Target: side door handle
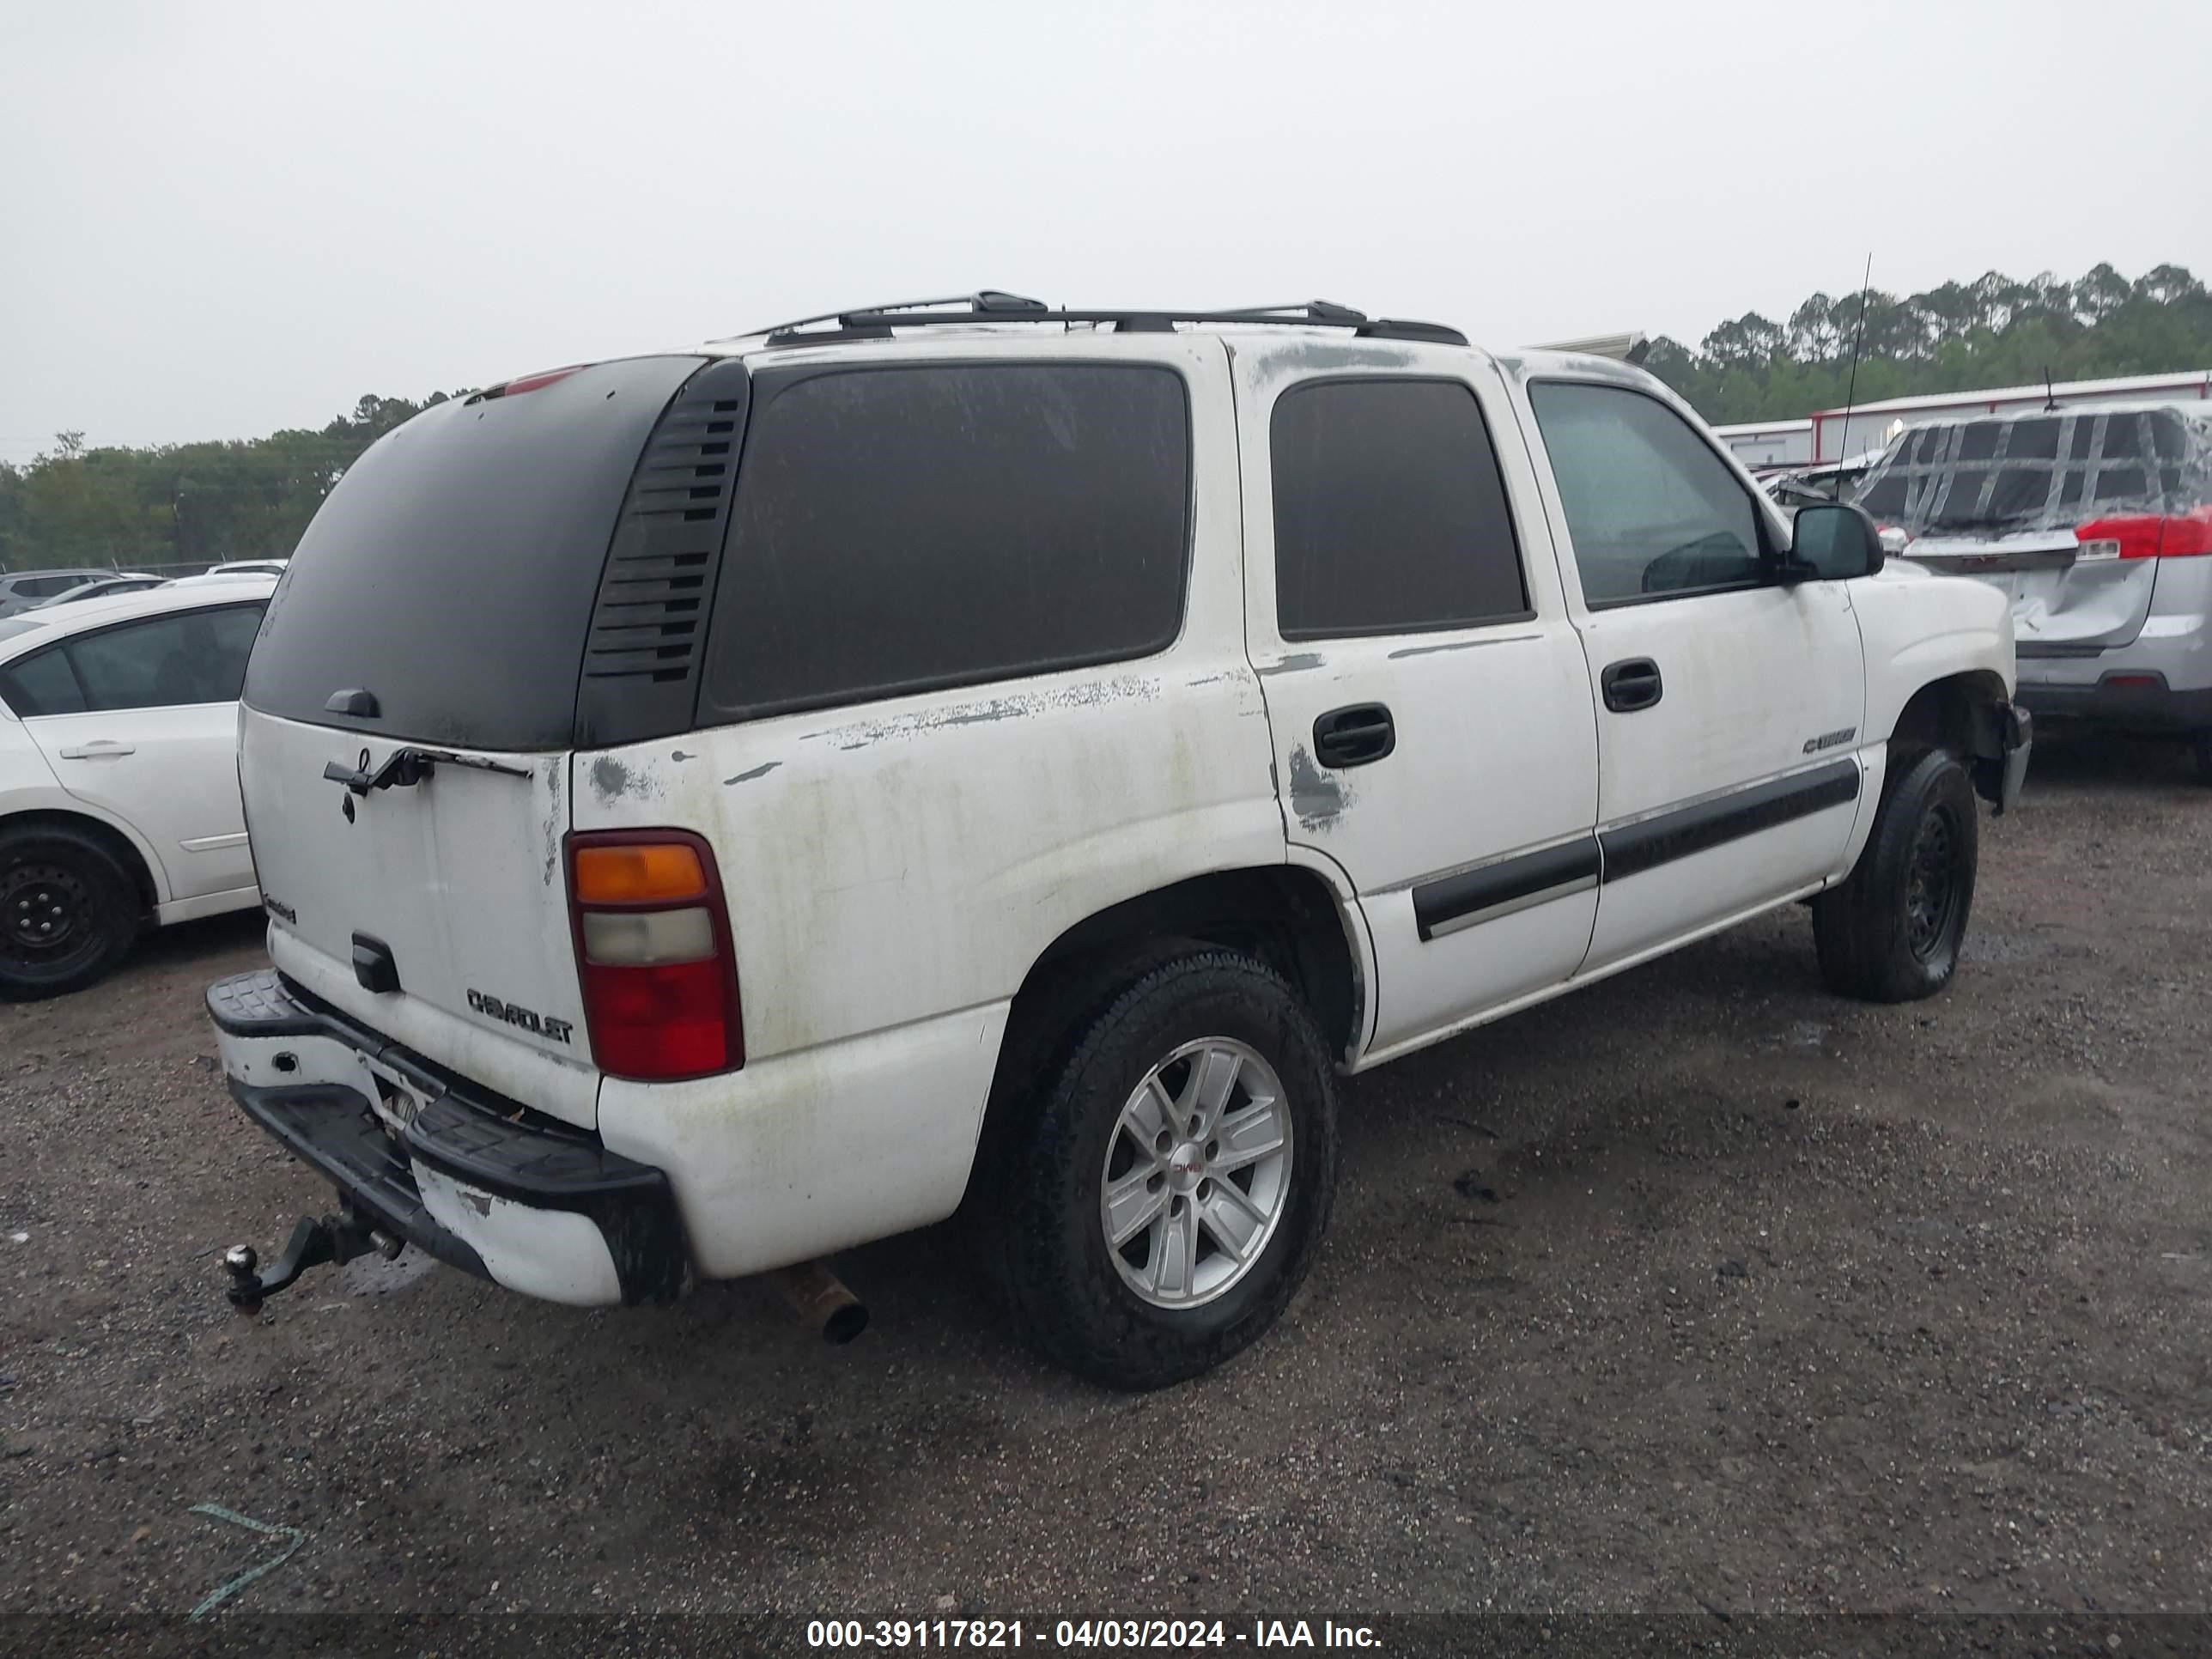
[1354, 735]
[1631, 685]
[99, 749]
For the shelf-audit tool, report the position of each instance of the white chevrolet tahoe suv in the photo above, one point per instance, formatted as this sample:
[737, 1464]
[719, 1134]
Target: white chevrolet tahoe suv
[718, 808]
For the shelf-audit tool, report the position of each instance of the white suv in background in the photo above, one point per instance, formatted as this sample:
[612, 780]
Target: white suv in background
[718, 808]
[119, 776]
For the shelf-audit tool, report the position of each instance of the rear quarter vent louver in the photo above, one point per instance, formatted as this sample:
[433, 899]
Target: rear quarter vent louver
[649, 622]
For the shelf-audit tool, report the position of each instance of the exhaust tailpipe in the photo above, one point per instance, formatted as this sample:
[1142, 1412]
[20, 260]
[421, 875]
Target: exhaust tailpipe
[820, 1299]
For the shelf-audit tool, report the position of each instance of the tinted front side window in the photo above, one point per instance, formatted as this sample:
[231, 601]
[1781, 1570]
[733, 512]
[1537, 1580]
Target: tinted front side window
[902, 528]
[1390, 514]
[193, 657]
[1651, 508]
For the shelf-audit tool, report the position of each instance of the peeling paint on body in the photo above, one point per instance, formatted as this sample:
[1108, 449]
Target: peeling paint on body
[611, 778]
[1457, 645]
[557, 772]
[1296, 663]
[1278, 361]
[1091, 694]
[760, 771]
[1318, 797]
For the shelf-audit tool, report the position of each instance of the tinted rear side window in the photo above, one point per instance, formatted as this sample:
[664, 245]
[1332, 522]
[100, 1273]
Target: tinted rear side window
[899, 528]
[453, 570]
[1390, 514]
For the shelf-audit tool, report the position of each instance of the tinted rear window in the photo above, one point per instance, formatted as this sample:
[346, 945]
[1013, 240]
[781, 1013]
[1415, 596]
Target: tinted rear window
[900, 528]
[2046, 470]
[1390, 514]
[452, 571]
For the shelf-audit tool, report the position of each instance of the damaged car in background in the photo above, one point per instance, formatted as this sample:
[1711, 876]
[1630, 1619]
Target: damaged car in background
[2096, 524]
[718, 808]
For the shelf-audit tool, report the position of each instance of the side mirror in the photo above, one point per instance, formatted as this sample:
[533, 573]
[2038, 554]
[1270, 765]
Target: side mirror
[1834, 542]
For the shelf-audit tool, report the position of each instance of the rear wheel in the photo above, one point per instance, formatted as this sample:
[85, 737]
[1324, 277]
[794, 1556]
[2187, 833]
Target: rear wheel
[1892, 932]
[1167, 1194]
[67, 912]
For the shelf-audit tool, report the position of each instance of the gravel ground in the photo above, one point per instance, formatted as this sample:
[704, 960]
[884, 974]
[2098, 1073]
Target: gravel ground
[1698, 1291]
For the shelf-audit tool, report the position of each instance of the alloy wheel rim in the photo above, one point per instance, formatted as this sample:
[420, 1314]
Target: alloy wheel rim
[1197, 1173]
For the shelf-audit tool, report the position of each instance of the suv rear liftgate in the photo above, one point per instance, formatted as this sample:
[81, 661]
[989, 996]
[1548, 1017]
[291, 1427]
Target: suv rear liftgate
[496, 584]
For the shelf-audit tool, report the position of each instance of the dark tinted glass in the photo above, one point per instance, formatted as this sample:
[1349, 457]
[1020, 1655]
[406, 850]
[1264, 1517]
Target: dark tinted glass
[192, 656]
[2069, 489]
[1652, 509]
[2036, 439]
[2167, 437]
[1962, 506]
[45, 587]
[2085, 434]
[2020, 492]
[2124, 437]
[1978, 440]
[1390, 514]
[453, 569]
[1885, 497]
[2122, 483]
[42, 683]
[898, 528]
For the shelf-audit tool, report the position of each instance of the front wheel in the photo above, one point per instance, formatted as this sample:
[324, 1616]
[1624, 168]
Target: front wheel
[1892, 932]
[1174, 1182]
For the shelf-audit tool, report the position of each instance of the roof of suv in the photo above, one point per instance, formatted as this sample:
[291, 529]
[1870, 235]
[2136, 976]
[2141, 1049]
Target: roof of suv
[1008, 321]
[28, 630]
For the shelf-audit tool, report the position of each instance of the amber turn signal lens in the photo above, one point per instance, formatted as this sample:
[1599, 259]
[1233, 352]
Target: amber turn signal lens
[647, 873]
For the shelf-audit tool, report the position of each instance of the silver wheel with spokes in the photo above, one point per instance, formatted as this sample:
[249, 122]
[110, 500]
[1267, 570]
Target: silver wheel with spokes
[1197, 1173]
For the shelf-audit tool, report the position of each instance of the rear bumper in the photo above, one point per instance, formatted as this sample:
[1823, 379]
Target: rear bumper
[476, 1181]
[2126, 699]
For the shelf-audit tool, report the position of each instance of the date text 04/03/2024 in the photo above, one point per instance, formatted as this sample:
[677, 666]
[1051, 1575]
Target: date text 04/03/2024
[1137, 1633]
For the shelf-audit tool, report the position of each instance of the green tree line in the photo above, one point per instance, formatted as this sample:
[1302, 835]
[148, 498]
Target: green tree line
[251, 498]
[182, 503]
[1961, 336]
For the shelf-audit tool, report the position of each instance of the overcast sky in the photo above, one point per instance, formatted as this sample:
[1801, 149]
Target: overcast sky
[219, 219]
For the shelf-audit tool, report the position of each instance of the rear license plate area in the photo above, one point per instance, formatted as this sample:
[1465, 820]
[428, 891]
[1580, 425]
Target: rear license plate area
[396, 1102]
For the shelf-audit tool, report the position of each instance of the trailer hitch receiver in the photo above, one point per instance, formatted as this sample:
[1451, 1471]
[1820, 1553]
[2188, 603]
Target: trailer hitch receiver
[315, 1240]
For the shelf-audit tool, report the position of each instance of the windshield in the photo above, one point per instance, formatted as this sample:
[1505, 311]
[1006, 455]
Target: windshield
[2047, 471]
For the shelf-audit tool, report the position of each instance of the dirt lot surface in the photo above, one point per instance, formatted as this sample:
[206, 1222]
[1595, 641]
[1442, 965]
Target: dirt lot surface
[1699, 1290]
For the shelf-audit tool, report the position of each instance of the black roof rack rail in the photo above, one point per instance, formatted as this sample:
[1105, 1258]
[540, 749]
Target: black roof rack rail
[992, 306]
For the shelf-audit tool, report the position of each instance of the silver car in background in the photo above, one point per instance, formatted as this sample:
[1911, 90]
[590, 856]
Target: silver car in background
[2097, 521]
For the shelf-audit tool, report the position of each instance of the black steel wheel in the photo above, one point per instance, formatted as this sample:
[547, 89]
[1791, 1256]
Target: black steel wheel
[69, 912]
[1892, 932]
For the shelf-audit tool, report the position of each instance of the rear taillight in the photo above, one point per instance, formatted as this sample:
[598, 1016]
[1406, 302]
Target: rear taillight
[2146, 536]
[654, 954]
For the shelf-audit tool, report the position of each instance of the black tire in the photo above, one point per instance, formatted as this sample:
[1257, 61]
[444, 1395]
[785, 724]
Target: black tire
[2202, 742]
[1066, 1294]
[1892, 932]
[69, 912]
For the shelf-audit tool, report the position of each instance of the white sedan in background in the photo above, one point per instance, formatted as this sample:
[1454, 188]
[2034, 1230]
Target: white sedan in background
[119, 775]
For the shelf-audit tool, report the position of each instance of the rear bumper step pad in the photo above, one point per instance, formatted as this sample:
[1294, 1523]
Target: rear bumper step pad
[513, 1185]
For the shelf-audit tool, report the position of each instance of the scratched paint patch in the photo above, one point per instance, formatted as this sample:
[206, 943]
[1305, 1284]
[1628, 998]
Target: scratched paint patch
[1021, 705]
[1318, 798]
